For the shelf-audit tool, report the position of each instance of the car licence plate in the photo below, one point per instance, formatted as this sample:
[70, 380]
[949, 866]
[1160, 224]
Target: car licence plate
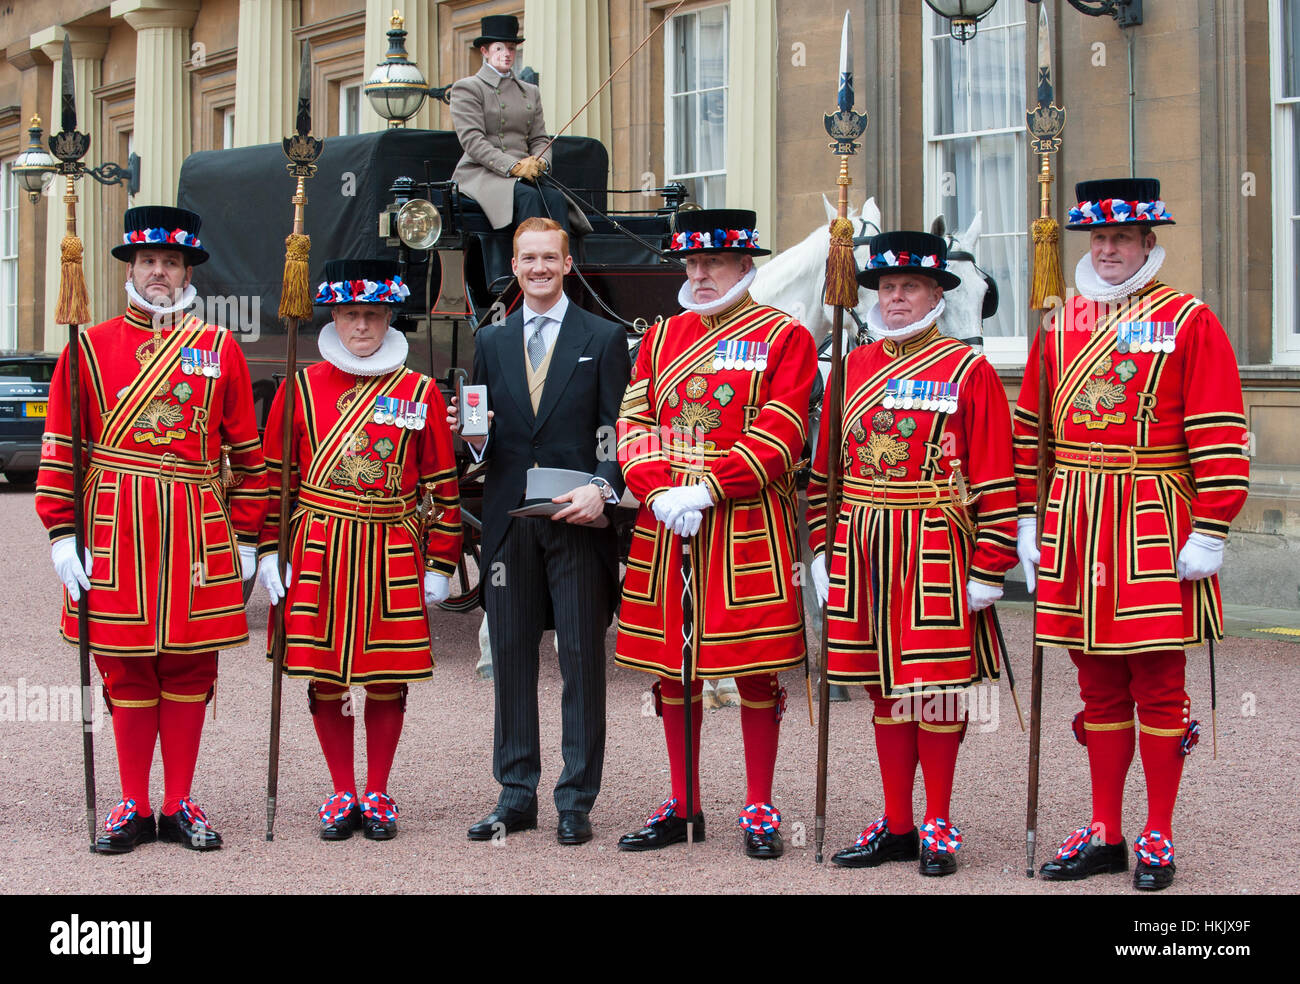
[34, 409]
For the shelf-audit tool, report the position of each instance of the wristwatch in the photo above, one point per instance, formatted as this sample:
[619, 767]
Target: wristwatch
[606, 490]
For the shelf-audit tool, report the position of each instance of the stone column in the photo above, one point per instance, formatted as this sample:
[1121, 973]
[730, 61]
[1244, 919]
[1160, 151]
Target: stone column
[567, 44]
[161, 124]
[266, 72]
[88, 45]
[34, 98]
[420, 20]
[751, 114]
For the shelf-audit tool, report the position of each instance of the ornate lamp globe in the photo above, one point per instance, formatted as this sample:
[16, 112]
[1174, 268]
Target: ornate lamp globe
[962, 15]
[397, 88]
[34, 163]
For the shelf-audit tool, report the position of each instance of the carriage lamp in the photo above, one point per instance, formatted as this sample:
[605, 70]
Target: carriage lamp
[396, 88]
[34, 163]
[418, 224]
[962, 15]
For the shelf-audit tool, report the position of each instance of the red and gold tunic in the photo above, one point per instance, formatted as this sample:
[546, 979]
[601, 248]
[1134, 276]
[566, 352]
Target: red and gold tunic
[1148, 446]
[928, 503]
[723, 400]
[356, 601]
[157, 409]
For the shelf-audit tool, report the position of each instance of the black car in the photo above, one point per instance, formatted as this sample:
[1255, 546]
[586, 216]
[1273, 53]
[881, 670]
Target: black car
[24, 392]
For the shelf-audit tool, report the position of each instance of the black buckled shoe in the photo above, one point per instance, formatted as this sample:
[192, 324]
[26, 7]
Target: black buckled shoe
[125, 829]
[340, 817]
[1082, 856]
[938, 863]
[876, 845]
[188, 827]
[502, 821]
[378, 817]
[1153, 877]
[1155, 862]
[764, 846]
[663, 828]
[574, 827]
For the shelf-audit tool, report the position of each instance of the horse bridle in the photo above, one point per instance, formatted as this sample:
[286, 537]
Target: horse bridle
[990, 305]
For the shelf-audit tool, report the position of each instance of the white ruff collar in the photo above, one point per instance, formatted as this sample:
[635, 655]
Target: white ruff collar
[879, 329]
[1089, 283]
[685, 294]
[160, 314]
[390, 354]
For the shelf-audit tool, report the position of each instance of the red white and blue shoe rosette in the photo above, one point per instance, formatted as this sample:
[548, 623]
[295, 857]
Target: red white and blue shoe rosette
[941, 836]
[194, 816]
[1154, 848]
[760, 818]
[362, 292]
[120, 816]
[1077, 841]
[336, 809]
[379, 806]
[873, 832]
[667, 810]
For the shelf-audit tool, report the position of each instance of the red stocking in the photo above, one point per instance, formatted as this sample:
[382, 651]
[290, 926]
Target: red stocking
[328, 703]
[761, 728]
[896, 748]
[385, 710]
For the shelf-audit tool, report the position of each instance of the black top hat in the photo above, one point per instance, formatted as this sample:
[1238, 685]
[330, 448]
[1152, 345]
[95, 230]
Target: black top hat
[904, 251]
[161, 227]
[715, 230]
[498, 27]
[361, 282]
[1118, 201]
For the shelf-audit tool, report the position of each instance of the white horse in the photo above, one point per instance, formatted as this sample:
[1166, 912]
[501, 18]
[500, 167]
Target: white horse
[794, 280]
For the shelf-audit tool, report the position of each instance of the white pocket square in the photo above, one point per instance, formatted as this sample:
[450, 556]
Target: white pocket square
[584, 358]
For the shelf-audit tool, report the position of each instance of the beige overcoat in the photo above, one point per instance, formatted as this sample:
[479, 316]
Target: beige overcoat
[499, 122]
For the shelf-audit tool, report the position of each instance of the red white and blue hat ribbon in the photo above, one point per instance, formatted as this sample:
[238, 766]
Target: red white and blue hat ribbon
[941, 836]
[379, 806]
[1111, 211]
[904, 258]
[1154, 848]
[362, 292]
[161, 237]
[760, 818]
[874, 832]
[717, 239]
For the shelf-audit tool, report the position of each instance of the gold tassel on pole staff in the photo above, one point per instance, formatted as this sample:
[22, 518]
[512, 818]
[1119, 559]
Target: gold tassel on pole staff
[73, 304]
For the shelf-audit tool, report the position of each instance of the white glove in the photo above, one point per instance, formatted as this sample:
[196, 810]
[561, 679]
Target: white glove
[247, 562]
[437, 587]
[688, 523]
[669, 506]
[63, 553]
[268, 576]
[979, 596]
[821, 580]
[1201, 556]
[1027, 548]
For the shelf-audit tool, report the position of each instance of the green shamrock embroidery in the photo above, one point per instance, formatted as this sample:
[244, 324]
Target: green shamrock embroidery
[724, 393]
[182, 391]
[907, 426]
[383, 447]
[1126, 370]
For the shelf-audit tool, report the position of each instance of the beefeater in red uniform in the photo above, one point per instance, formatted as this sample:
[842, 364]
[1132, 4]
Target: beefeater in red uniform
[711, 433]
[925, 533]
[175, 495]
[1149, 469]
[375, 534]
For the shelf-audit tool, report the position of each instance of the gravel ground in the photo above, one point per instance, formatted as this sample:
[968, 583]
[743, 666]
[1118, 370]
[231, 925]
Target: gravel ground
[442, 780]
